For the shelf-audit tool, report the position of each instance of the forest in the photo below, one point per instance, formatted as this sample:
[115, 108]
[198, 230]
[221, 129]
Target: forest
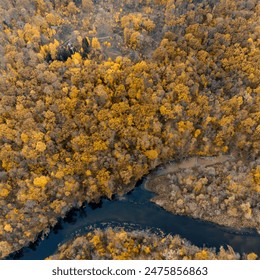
[95, 94]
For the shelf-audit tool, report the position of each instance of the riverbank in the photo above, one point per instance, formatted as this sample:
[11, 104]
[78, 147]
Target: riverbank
[137, 212]
[222, 190]
[119, 244]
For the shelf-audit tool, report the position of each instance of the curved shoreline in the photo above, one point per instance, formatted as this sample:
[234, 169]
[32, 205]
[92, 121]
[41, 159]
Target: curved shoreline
[161, 182]
[136, 197]
[121, 244]
[138, 213]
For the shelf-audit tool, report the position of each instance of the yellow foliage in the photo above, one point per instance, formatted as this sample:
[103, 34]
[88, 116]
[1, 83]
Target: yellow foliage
[72, 9]
[52, 48]
[141, 66]
[100, 145]
[38, 136]
[59, 174]
[88, 172]
[41, 181]
[225, 149]
[185, 126]
[95, 43]
[8, 228]
[24, 137]
[165, 110]
[134, 40]
[131, 20]
[148, 24]
[76, 58]
[30, 33]
[27, 233]
[107, 44]
[5, 248]
[53, 19]
[137, 21]
[256, 174]
[251, 256]
[147, 250]
[103, 178]
[202, 255]
[3, 191]
[183, 92]
[40, 146]
[95, 240]
[197, 133]
[151, 154]
[122, 235]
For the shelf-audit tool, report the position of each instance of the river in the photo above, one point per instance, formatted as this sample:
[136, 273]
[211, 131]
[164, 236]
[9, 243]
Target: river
[135, 211]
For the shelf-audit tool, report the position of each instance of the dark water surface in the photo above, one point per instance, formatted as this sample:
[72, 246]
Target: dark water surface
[135, 211]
